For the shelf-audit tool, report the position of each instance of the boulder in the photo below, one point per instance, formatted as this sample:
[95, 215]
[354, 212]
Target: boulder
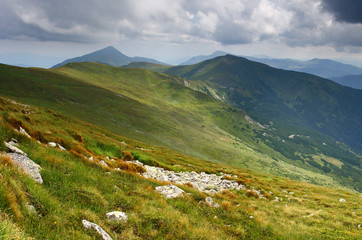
[117, 216]
[170, 191]
[89, 225]
[29, 166]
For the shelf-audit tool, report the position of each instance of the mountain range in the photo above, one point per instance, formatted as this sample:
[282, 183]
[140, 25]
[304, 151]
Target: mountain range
[226, 148]
[353, 81]
[341, 73]
[109, 56]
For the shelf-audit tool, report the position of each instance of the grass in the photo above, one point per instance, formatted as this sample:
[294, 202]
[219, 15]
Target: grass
[156, 109]
[77, 188]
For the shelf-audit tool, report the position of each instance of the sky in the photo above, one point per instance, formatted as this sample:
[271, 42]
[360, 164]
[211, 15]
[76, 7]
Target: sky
[44, 32]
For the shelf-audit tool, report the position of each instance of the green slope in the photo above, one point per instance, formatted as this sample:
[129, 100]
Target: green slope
[270, 94]
[157, 109]
[76, 188]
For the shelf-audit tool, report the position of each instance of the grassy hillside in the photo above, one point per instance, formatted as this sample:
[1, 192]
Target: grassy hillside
[157, 109]
[77, 188]
[297, 109]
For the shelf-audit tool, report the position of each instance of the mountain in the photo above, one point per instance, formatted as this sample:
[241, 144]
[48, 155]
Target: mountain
[270, 94]
[157, 109]
[320, 67]
[94, 175]
[109, 56]
[201, 58]
[353, 81]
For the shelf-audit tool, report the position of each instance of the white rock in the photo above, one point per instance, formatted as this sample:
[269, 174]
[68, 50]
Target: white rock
[61, 147]
[12, 147]
[91, 158]
[22, 131]
[52, 144]
[210, 202]
[29, 166]
[100, 230]
[170, 191]
[103, 163]
[342, 200]
[117, 216]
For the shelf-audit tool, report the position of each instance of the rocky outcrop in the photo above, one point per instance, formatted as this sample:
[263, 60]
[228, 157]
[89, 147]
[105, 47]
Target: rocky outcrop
[21, 160]
[208, 183]
[170, 191]
[89, 225]
[117, 216]
[13, 147]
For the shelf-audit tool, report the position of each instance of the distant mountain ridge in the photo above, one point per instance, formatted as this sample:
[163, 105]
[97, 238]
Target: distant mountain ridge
[320, 67]
[353, 81]
[201, 58]
[110, 56]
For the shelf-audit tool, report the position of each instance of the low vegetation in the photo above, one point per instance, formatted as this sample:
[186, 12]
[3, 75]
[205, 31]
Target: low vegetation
[76, 186]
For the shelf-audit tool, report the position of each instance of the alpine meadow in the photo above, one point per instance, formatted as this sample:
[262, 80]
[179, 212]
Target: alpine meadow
[262, 139]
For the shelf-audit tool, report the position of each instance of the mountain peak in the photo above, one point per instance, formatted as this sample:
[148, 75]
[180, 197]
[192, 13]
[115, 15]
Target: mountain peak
[108, 55]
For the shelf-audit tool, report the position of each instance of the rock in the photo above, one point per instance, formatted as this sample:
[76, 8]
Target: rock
[12, 147]
[91, 158]
[61, 147]
[103, 163]
[117, 216]
[342, 200]
[22, 131]
[208, 183]
[170, 191]
[52, 144]
[89, 225]
[210, 202]
[30, 208]
[28, 166]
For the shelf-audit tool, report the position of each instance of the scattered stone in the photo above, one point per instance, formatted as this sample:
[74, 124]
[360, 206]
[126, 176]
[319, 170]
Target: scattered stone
[103, 163]
[12, 147]
[117, 216]
[29, 166]
[251, 217]
[210, 202]
[124, 143]
[342, 200]
[91, 158]
[108, 173]
[208, 183]
[22, 131]
[359, 225]
[100, 230]
[291, 193]
[170, 191]
[215, 217]
[52, 144]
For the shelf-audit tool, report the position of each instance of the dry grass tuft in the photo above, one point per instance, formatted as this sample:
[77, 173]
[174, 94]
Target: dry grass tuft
[226, 205]
[130, 167]
[127, 156]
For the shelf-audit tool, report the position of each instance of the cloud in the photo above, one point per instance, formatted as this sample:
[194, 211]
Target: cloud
[226, 22]
[348, 11]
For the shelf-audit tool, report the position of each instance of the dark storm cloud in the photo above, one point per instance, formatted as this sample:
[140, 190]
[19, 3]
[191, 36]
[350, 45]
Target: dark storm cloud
[349, 11]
